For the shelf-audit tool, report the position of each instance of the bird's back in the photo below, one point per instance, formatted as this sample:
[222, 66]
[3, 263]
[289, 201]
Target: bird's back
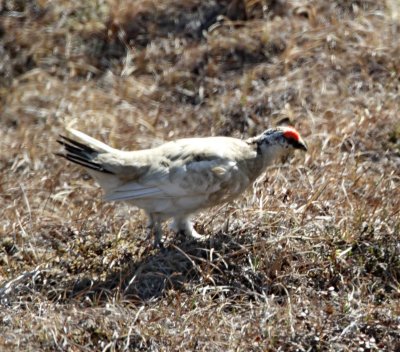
[208, 148]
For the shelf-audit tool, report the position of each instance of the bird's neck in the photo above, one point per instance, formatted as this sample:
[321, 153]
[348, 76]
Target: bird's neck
[270, 154]
[262, 159]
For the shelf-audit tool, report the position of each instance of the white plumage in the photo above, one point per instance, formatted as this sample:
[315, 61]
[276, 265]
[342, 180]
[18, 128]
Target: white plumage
[180, 177]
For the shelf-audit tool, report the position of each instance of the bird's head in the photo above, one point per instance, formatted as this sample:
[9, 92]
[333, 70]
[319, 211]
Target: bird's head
[278, 142]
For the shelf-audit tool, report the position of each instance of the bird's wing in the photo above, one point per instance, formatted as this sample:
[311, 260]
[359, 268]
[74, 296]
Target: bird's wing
[181, 174]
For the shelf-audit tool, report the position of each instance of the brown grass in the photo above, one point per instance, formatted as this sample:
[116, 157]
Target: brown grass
[307, 260]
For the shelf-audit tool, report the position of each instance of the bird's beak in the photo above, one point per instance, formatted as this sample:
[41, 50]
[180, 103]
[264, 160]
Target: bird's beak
[301, 145]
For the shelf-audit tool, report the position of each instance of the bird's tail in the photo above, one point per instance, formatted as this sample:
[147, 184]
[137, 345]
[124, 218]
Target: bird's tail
[84, 152]
[90, 141]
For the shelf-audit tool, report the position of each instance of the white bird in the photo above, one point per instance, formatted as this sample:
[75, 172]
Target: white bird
[179, 178]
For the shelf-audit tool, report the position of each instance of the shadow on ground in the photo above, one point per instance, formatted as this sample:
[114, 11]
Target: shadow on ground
[221, 263]
[179, 266]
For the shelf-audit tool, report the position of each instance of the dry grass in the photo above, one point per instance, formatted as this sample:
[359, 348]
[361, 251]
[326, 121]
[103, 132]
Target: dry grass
[307, 260]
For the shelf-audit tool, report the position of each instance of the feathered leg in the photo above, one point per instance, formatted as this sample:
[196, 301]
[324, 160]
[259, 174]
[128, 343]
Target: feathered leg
[183, 224]
[153, 228]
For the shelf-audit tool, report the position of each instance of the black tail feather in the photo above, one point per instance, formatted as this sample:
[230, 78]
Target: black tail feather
[68, 142]
[81, 154]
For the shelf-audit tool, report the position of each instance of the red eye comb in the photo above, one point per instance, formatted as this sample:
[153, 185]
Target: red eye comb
[292, 134]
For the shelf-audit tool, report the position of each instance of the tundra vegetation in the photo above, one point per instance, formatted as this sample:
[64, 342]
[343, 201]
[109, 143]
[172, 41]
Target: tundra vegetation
[307, 260]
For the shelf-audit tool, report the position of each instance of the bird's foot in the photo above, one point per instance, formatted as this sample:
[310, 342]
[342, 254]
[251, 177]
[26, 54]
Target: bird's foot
[194, 234]
[188, 235]
[159, 245]
[184, 228]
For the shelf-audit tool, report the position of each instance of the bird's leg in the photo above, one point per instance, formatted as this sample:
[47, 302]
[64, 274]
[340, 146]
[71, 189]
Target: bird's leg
[157, 235]
[149, 227]
[185, 225]
[153, 226]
